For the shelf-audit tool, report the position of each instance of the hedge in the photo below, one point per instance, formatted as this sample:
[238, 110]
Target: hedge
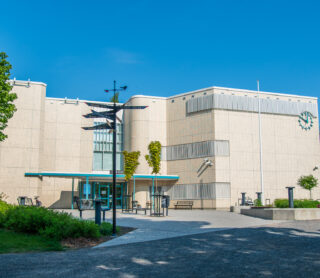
[284, 203]
[50, 224]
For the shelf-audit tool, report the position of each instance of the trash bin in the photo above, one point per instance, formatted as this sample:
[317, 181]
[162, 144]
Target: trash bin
[165, 202]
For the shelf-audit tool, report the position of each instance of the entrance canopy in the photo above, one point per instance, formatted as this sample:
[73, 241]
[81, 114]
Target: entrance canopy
[98, 176]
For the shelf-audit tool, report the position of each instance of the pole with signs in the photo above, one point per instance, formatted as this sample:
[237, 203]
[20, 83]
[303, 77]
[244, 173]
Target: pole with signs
[110, 113]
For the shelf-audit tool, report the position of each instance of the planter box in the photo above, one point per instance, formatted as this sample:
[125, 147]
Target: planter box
[283, 214]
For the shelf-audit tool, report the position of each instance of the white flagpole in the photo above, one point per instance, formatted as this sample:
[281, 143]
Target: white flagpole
[260, 143]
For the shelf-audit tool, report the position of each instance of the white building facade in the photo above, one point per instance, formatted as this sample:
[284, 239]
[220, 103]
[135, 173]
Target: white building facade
[210, 138]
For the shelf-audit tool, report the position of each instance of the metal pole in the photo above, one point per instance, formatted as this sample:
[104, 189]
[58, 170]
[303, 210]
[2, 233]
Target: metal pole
[153, 193]
[260, 143]
[97, 211]
[72, 194]
[259, 196]
[114, 165]
[134, 188]
[290, 196]
[243, 198]
[87, 188]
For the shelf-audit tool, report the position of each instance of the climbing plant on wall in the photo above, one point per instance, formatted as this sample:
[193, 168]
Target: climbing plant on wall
[154, 157]
[131, 162]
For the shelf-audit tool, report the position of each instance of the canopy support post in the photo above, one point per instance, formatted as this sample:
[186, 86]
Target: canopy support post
[72, 193]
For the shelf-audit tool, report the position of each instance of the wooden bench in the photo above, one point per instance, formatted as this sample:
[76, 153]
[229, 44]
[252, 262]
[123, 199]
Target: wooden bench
[183, 204]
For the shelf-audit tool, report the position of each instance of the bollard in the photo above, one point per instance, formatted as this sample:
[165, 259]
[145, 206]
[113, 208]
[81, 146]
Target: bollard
[290, 196]
[98, 211]
[243, 199]
[259, 196]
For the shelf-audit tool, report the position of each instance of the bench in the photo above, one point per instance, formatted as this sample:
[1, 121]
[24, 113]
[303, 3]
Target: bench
[137, 207]
[87, 205]
[183, 204]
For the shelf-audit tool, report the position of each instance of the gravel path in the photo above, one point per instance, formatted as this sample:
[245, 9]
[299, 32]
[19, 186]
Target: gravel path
[289, 249]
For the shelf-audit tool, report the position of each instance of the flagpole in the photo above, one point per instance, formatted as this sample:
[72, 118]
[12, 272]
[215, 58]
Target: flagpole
[260, 144]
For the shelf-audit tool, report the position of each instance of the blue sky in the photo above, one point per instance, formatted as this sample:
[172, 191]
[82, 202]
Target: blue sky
[163, 47]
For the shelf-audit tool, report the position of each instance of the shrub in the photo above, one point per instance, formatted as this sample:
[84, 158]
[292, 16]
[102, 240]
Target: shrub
[106, 229]
[284, 203]
[257, 203]
[56, 225]
[3, 209]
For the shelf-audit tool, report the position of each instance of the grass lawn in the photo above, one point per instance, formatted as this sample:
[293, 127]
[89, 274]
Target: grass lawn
[11, 242]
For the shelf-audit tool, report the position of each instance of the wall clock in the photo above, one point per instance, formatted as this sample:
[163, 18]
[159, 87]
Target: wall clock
[305, 120]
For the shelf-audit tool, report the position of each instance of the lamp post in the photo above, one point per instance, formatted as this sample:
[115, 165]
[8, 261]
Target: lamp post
[114, 156]
[111, 114]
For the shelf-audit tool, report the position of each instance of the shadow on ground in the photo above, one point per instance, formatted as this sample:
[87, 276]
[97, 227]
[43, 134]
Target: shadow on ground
[283, 251]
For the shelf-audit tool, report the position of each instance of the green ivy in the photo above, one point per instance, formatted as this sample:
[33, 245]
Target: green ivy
[154, 156]
[131, 162]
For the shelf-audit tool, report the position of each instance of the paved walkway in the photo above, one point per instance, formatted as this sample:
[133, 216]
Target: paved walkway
[178, 223]
[289, 249]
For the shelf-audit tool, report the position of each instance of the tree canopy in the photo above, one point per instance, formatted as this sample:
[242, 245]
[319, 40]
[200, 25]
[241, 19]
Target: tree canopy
[131, 162]
[308, 182]
[7, 108]
[115, 98]
[154, 156]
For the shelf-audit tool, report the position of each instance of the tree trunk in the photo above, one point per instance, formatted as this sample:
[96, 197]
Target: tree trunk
[156, 184]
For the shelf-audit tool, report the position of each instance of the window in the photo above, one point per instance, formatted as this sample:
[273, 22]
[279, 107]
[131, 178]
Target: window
[102, 149]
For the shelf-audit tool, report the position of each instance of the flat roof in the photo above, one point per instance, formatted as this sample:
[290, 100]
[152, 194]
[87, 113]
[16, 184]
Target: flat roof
[98, 175]
[228, 89]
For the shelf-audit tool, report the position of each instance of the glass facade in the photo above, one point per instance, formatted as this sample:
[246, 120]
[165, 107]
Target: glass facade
[102, 149]
[102, 191]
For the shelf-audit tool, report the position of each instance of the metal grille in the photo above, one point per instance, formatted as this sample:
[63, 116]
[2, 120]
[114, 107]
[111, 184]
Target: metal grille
[245, 103]
[196, 150]
[200, 191]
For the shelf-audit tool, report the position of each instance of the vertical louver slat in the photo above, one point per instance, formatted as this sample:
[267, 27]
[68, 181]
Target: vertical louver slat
[250, 104]
[201, 191]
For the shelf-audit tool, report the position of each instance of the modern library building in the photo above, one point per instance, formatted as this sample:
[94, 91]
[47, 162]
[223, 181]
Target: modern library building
[216, 143]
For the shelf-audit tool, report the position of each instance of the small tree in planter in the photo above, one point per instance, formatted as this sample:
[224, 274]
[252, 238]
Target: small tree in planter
[131, 162]
[308, 182]
[154, 157]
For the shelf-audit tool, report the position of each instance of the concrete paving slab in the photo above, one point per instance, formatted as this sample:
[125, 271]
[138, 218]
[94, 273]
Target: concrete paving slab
[178, 223]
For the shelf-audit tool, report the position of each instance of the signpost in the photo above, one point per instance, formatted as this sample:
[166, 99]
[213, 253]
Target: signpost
[110, 115]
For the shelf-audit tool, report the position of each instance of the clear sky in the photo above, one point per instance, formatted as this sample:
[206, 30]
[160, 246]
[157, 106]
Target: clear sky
[163, 47]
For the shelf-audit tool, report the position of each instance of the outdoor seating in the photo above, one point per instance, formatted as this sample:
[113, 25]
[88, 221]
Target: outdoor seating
[88, 205]
[183, 204]
[137, 207]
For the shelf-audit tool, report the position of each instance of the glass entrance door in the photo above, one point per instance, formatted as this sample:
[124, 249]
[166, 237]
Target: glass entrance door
[104, 191]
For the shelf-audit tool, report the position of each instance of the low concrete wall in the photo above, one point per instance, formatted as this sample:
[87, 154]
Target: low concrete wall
[237, 209]
[283, 214]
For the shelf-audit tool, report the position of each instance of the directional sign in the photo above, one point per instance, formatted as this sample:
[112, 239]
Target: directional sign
[110, 114]
[117, 107]
[96, 114]
[102, 126]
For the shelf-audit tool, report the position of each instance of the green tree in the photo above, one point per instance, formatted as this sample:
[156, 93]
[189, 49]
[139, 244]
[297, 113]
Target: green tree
[7, 108]
[115, 98]
[308, 182]
[131, 162]
[154, 157]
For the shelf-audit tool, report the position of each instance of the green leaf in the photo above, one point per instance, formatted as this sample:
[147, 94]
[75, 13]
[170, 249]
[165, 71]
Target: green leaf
[7, 108]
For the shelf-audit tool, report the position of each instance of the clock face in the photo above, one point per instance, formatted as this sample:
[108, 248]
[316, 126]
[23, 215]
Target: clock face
[305, 120]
